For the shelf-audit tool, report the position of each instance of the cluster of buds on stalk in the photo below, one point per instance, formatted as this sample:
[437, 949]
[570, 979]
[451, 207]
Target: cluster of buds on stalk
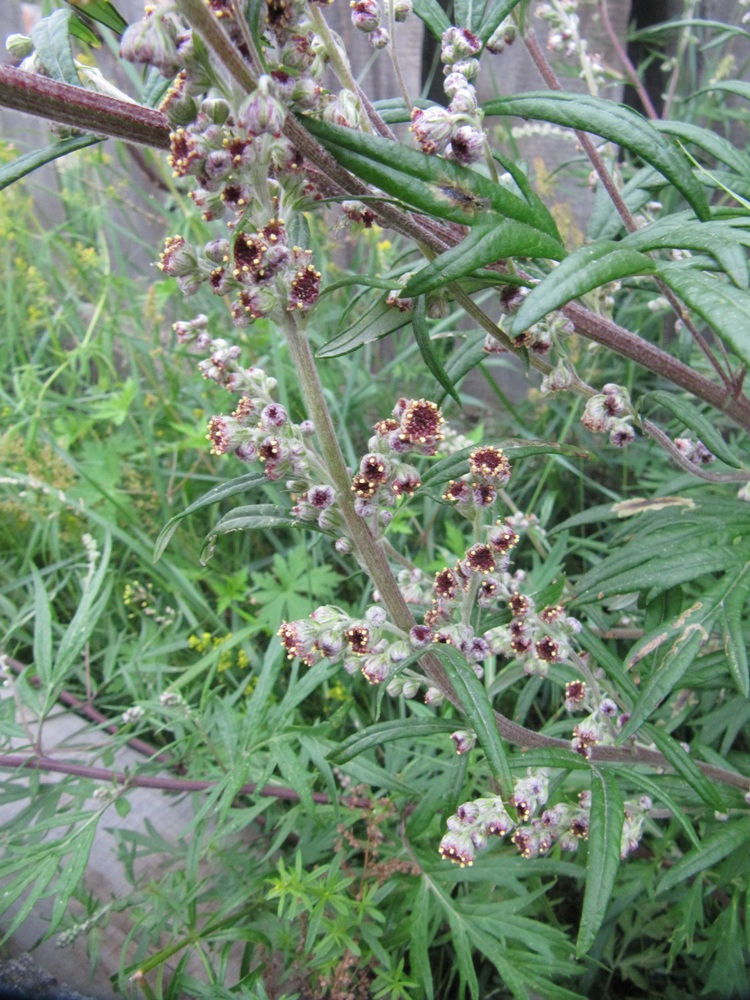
[259, 428]
[694, 451]
[565, 39]
[456, 131]
[367, 17]
[372, 644]
[603, 723]
[533, 830]
[537, 638]
[611, 412]
[258, 268]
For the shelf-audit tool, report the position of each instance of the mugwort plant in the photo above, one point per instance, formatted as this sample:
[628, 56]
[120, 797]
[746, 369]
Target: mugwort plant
[580, 681]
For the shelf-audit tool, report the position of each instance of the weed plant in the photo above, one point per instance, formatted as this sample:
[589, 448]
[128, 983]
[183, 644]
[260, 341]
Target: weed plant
[597, 856]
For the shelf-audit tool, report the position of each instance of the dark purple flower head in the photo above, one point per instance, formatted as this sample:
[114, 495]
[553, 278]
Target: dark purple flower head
[304, 288]
[320, 497]
[273, 415]
[458, 491]
[421, 635]
[490, 463]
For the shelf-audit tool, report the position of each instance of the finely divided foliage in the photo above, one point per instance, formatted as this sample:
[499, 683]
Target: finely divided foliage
[463, 705]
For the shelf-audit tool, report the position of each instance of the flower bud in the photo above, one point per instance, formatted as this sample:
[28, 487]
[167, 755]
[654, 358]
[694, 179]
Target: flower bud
[18, 47]
[365, 14]
[261, 113]
[402, 9]
[379, 38]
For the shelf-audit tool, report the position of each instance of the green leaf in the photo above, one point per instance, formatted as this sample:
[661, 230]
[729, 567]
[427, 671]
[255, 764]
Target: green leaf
[229, 489]
[738, 87]
[605, 222]
[724, 307]
[489, 21]
[432, 16]
[72, 872]
[102, 11]
[730, 837]
[731, 617]
[249, 518]
[666, 676]
[51, 38]
[478, 710]
[80, 30]
[657, 793]
[613, 122]
[581, 272]
[693, 419]
[380, 321]
[385, 732]
[715, 145]
[685, 766]
[605, 834]
[424, 342]
[26, 164]
[42, 630]
[724, 239]
[90, 609]
[484, 245]
[433, 185]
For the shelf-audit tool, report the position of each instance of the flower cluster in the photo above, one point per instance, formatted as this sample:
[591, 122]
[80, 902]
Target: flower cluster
[603, 723]
[694, 451]
[367, 16]
[473, 824]
[611, 412]
[371, 644]
[536, 638]
[415, 426]
[258, 267]
[565, 38]
[455, 131]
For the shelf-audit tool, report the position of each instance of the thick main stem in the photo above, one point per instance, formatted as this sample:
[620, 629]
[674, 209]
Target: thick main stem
[369, 550]
[82, 109]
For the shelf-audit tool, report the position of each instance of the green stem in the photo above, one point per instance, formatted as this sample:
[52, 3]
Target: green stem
[338, 60]
[370, 552]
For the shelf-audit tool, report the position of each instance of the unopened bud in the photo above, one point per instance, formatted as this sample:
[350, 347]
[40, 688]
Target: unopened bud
[18, 46]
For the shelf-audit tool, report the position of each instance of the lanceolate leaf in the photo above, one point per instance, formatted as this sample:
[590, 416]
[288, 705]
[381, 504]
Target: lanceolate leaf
[494, 15]
[386, 732]
[686, 767]
[222, 492]
[433, 185]
[29, 162]
[682, 642]
[476, 705]
[731, 619]
[250, 518]
[102, 11]
[433, 16]
[724, 307]
[715, 145]
[724, 239]
[605, 833]
[430, 358]
[613, 122]
[581, 272]
[51, 38]
[380, 321]
[713, 849]
[693, 419]
[484, 245]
